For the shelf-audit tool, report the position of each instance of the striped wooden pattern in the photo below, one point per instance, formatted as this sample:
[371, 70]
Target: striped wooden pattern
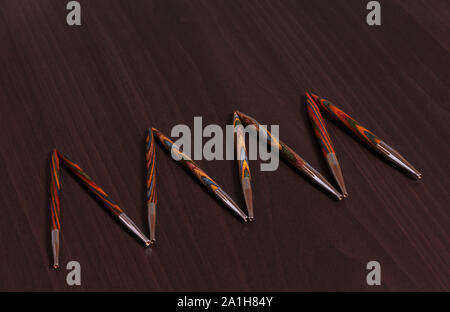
[207, 181]
[285, 151]
[292, 157]
[350, 123]
[319, 126]
[55, 188]
[90, 184]
[150, 156]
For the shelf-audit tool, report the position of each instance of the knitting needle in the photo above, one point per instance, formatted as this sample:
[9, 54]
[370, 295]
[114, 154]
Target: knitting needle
[244, 169]
[55, 188]
[207, 182]
[150, 156]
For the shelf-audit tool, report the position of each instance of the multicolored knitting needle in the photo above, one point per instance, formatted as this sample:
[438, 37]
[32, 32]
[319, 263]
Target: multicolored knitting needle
[94, 188]
[244, 169]
[55, 188]
[366, 136]
[207, 181]
[290, 156]
[325, 142]
[150, 156]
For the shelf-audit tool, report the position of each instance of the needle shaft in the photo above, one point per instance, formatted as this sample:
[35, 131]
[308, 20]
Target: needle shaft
[201, 175]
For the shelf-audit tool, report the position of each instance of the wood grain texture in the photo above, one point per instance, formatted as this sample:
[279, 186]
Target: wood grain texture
[92, 91]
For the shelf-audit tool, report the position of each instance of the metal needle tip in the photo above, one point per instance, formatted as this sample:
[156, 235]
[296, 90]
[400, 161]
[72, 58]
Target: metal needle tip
[320, 180]
[55, 248]
[152, 221]
[133, 228]
[248, 197]
[230, 203]
[398, 159]
[335, 168]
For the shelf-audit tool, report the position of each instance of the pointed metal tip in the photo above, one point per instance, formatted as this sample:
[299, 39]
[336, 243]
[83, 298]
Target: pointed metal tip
[326, 185]
[226, 199]
[133, 228]
[248, 196]
[397, 159]
[333, 191]
[147, 243]
[336, 170]
[320, 180]
[416, 174]
[251, 219]
[55, 248]
[152, 220]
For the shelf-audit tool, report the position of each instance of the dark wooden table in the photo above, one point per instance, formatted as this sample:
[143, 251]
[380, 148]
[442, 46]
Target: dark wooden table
[91, 91]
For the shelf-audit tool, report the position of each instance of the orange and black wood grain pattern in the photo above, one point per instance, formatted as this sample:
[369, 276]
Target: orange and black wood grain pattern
[55, 188]
[150, 155]
[328, 152]
[319, 126]
[343, 118]
[96, 190]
